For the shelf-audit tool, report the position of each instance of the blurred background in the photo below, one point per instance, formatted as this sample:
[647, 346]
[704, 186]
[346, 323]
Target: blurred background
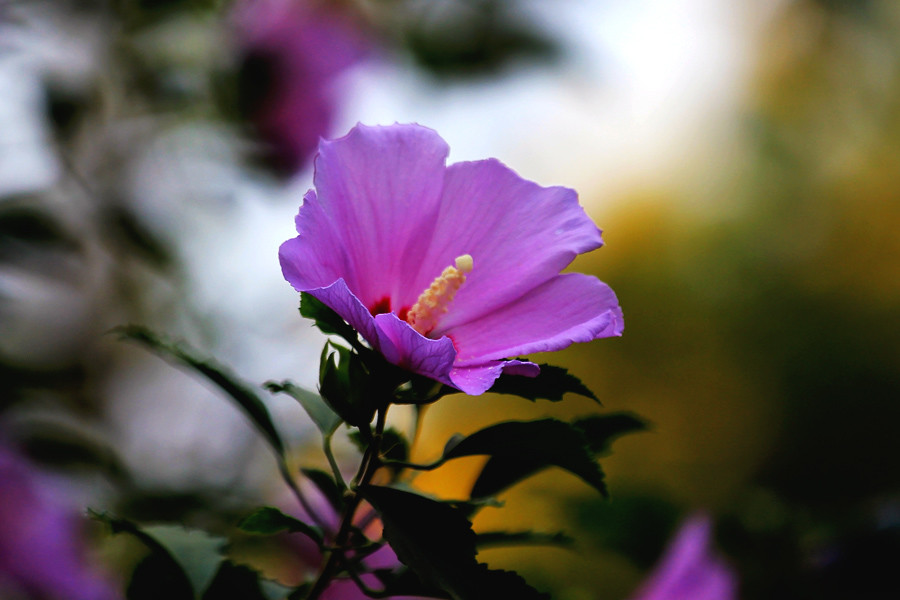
[742, 158]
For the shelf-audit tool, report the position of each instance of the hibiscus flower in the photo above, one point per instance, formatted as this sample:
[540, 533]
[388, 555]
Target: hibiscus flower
[445, 270]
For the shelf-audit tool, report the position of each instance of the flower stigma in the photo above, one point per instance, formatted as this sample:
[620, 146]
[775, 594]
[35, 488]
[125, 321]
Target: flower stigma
[433, 302]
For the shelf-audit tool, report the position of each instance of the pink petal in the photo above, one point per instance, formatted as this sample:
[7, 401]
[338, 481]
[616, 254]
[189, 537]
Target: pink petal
[404, 346]
[379, 191]
[477, 380]
[519, 234]
[568, 308]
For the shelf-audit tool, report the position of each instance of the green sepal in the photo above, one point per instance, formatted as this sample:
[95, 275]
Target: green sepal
[345, 384]
[328, 321]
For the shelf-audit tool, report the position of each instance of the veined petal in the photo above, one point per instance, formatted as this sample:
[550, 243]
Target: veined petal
[518, 233]
[403, 346]
[342, 301]
[568, 308]
[477, 380]
[380, 189]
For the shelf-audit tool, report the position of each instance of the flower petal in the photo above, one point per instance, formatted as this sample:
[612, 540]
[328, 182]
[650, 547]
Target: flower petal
[518, 233]
[379, 190]
[568, 308]
[405, 347]
[477, 380]
[342, 301]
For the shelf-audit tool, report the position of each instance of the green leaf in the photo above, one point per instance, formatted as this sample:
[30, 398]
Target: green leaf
[436, 541]
[393, 444]
[601, 430]
[519, 449]
[180, 560]
[325, 419]
[243, 394]
[239, 581]
[328, 321]
[522, 538]
[327, 485]
[269, 521]
[551, 384]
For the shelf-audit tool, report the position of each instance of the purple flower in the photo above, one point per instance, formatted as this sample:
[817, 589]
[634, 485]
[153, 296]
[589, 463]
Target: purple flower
[445, 270]
[41, 552]
[292, 52]
[689, 570]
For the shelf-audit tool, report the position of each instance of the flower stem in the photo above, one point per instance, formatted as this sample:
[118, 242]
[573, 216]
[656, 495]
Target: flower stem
[367, 467]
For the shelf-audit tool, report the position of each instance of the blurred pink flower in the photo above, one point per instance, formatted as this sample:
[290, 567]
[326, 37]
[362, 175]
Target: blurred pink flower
[445, 270]
[306, 550]
[689, 569]
[42, 555]
[293, 50]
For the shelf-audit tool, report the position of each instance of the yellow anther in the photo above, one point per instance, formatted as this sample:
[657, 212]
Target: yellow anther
[433, 302]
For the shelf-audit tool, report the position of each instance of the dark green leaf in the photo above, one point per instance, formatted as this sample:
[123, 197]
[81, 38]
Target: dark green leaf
[318, 410]
[158, 576]
[519, 449]
[404, 582]
[345, 385]
[393, 445]
[436, 541]
[522, 538]
[243, 394]
[328, 321]
[551, 384]
[180, 560]
[326, 484]
[601, 430]
[234, 581]
[269, 521]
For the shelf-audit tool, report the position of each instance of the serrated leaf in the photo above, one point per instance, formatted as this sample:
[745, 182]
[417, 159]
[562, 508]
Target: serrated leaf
[235, 581]
[242, 393]
[269, 521]
[522, 538]
[436, 541]
[552, 383]
[328, 321]
[180, 560]
[519, 449]
[327, 485]
[325, 419]
[198, 552]
[601, 430]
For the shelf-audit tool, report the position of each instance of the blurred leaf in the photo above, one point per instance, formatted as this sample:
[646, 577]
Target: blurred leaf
[519, 449]
[27, 225]
[328, 321]
[318, 410]
[522, 538]
[436, 540]
[235, 581]
[158, 576]
[180, 561]
[242, 393]
[131, 234]
[269, 521]
[198, 552]
[601, 430]
[62, 446]
[474, 37]
[551, 384]
[329, 488]
[404, 582]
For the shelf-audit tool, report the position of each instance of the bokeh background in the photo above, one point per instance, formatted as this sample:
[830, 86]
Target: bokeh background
[743, 159]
